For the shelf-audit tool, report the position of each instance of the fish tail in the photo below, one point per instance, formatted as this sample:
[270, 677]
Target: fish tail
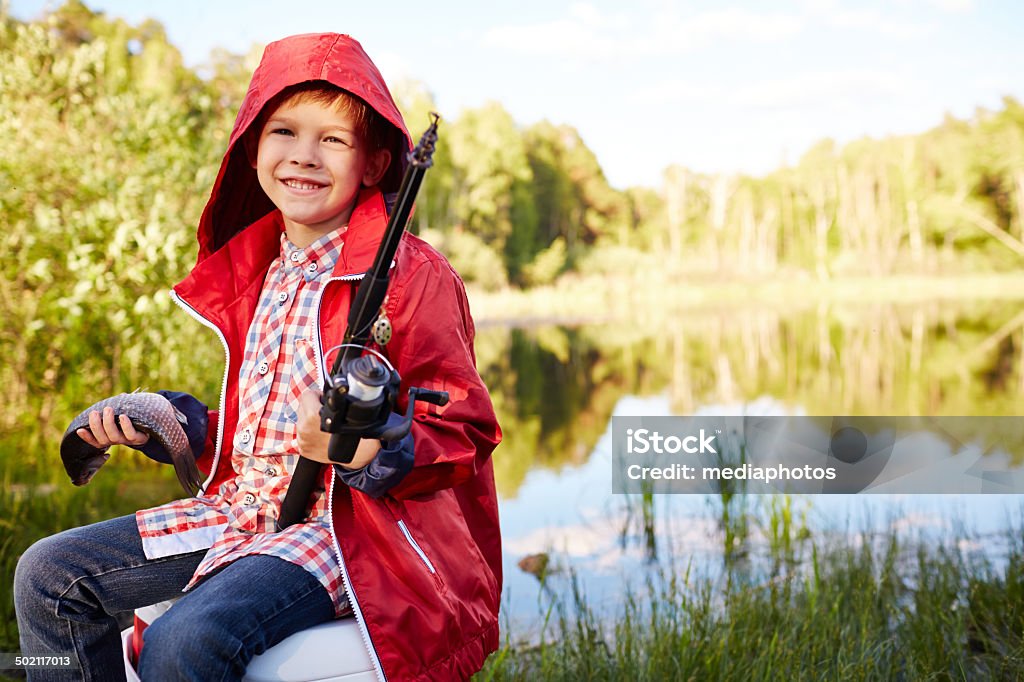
[189, 476]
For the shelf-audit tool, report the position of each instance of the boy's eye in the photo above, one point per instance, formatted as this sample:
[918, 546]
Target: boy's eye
[335, 140]
[280, 131]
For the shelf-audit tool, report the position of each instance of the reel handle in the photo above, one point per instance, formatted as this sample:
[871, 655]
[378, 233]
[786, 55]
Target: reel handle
[422, 394]
[426, 395]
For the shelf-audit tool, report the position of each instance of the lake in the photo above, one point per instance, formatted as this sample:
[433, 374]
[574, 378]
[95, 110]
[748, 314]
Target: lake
[556, 389]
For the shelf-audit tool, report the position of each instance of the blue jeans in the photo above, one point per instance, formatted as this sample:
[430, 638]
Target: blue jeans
[69, 588]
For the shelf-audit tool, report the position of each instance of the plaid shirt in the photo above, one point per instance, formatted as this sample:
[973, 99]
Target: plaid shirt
[279, 365]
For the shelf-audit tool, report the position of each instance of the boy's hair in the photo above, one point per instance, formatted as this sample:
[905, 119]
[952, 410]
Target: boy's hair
[371, 127]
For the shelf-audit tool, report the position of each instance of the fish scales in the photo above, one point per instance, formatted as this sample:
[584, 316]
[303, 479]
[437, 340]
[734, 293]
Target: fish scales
[150, 413]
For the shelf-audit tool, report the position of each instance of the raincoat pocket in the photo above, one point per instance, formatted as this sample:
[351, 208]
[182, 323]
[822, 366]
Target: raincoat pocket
[413, 545]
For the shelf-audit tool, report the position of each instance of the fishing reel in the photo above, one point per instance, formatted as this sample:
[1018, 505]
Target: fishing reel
[358, 400]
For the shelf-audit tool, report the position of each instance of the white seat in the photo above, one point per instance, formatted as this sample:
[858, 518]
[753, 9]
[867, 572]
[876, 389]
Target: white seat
[332, 652]
[329, 652]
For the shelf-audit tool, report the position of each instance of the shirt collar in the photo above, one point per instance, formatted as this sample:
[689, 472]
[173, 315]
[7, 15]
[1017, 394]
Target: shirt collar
[317, 259]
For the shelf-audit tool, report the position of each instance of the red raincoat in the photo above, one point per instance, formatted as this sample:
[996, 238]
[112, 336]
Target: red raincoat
[423, 563]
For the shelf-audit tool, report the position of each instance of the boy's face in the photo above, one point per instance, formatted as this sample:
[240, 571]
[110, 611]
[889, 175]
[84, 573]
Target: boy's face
[312, 163]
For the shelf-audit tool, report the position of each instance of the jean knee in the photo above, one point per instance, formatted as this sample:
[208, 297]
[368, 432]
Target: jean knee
[39, 574]
[185, 648]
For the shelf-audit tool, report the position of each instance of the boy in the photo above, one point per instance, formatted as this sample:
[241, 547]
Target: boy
[406, 536]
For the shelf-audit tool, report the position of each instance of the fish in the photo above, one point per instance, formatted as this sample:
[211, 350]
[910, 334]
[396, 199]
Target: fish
[150, 413]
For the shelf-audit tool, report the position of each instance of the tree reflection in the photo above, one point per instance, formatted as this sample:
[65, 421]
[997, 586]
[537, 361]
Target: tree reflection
[555, 388]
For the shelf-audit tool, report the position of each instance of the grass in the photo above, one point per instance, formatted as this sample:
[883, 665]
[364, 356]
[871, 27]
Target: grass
[878, 608]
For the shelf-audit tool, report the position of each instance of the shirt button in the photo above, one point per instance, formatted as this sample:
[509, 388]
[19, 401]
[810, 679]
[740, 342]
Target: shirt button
[271, 472]
[249, 499]
[282, 297]
[263, 368]
[311, 268]
[246, 436]
[295, 257]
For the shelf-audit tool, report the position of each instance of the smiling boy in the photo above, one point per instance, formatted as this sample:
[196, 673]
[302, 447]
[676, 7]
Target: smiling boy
[312, 160]
[405, 537]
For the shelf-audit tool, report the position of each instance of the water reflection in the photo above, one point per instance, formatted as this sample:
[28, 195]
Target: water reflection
[556, 389]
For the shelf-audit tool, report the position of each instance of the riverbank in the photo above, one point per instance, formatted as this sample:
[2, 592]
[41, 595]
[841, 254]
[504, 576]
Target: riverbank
[881, 607]
[581, 299]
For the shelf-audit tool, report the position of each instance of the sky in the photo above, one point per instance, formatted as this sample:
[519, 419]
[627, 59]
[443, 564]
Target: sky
[728, 86]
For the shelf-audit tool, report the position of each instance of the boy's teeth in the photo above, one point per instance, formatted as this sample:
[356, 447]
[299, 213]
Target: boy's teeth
[298, 184]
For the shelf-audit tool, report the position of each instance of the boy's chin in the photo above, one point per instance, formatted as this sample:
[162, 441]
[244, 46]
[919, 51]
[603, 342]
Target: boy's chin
[309, 228]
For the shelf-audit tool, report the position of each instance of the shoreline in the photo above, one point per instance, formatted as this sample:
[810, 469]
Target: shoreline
[576, 300]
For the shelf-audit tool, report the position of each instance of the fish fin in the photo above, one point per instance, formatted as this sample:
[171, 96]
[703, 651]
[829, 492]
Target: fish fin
[179, 415]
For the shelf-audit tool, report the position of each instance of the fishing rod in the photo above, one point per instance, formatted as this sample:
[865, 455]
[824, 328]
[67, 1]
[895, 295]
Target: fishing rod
[361, 390]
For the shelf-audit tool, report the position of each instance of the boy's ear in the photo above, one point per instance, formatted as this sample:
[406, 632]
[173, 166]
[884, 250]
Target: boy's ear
[376, 166]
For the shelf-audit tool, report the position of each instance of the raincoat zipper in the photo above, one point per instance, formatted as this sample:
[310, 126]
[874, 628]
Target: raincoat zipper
[353, 602]
[194, 314]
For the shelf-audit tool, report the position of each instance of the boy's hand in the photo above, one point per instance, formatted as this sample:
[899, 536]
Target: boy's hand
[103, 430]
[313, 442]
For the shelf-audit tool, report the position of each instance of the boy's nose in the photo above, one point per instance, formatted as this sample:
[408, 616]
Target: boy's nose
[304, 154]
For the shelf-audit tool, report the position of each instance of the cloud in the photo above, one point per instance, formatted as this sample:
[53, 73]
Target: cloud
[589, 33]
[884, 22]
[598, 541]
[914, 521]
[581, 34]
[739, 25]
[844, 88]
[393, 66]
[873, 20]
[958, 6]
[829, 89]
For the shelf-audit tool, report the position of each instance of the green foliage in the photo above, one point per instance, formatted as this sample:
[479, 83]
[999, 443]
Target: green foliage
[489, 157]
[547, 265]
[573, 200]
[475, 261]
[435, 208]
[946, 201]
[104, 166]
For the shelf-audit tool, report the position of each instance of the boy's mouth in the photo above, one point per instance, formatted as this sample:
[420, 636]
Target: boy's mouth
[295, 183]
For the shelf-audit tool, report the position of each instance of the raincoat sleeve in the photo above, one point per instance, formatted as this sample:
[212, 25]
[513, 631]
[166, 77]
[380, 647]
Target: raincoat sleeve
[432, 347]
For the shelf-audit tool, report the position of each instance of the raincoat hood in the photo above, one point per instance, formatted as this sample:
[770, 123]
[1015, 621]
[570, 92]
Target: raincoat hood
[237, 200]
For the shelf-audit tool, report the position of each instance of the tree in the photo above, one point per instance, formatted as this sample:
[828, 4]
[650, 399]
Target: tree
[491, 180]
